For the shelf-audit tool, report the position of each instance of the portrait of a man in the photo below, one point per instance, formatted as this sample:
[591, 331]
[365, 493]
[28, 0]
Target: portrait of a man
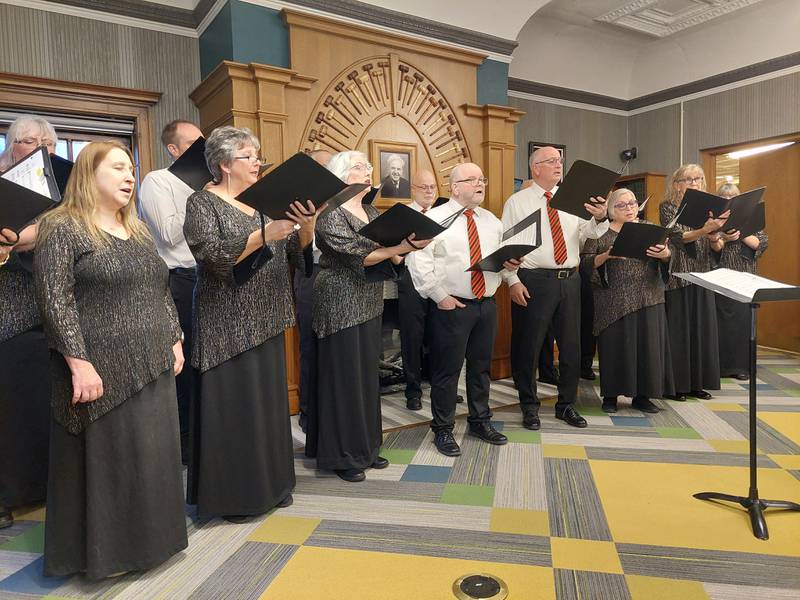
[395, 175]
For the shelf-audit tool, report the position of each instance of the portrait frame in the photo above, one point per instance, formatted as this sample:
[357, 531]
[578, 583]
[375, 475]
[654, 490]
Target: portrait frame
[562, 150]
[379, 153]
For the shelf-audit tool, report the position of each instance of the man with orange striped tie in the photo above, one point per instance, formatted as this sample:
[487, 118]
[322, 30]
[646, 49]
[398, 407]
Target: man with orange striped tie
[462, 321]
[547, 289]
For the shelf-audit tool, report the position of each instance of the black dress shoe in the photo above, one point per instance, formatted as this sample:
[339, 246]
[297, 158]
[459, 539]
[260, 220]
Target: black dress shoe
[609, 404]
[530, 420]
[644, 404]
[380, 463]
[286, 502]
[414, 403]
[446, 443]
[459, 399]
[303, 422]
[351, 475]
[681, 397]
[487, 433]
[588, 374]
[6, 518]
[571, 417]
[742, 376]
[701, 394]
[238, 519]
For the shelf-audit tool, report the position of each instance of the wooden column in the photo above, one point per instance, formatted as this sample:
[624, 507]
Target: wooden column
[497, 160]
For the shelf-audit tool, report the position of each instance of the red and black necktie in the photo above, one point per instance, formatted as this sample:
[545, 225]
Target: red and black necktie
[559, 245]
[477, 281]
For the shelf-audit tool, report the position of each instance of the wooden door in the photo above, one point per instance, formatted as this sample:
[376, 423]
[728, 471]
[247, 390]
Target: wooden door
[779, 171]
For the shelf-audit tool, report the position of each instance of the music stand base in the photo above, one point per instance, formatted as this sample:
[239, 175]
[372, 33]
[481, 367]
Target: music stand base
[754, 506]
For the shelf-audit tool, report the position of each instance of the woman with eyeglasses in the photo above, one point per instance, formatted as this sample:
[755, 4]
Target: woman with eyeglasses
[24, 372]
[691, 312]
[115, 499]
[738, 254]
[348, 303]
[242, 461]
[629, 317]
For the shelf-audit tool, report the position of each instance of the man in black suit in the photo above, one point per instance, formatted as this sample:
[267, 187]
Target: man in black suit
[395, 185]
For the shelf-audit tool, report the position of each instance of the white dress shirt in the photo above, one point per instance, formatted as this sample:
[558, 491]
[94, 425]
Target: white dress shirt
[440, 270]
[163, 201]
[576, 231]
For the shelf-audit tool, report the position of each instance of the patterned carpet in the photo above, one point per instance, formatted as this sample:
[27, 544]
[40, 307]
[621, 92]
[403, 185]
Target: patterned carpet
[602, 513]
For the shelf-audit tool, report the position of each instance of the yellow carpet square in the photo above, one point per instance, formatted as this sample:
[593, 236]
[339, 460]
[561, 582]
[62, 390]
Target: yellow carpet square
[668, 515]
[284, 530]
[786, 461]
[565, 451]
[30, 513]
[656, 588]
[516, 520]
[731, 446]
[724, 407]
[786, 423]
[315, 573]
[585, 555]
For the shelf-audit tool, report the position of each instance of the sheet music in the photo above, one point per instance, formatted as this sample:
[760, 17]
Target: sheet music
[743, 284]
[30, 174]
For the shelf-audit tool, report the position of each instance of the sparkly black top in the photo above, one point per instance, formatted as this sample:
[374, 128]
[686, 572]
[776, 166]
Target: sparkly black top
[740, 257]
[694, 257]
[18, 310]
[109, 305]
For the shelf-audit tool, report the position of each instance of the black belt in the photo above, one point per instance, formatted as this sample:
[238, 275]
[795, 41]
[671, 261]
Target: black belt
[555, 273]
[473, 300]
[184, 271]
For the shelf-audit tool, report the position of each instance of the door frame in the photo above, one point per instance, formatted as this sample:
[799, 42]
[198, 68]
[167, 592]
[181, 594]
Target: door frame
[708, 155]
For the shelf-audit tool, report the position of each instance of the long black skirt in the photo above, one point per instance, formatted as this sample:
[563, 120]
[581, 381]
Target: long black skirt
[693, 341]
[733, 323]
[115, 500]
[242, 460]
[24, 418]
[635, 356]
[349, 428]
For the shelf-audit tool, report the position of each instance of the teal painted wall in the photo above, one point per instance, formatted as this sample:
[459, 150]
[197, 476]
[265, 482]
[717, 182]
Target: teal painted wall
[493, 83]
[216, 42]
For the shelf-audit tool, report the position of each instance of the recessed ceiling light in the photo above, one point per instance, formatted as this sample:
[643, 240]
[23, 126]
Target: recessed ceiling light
[760, 149]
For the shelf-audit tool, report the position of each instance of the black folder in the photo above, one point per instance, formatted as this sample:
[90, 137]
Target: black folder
[398, 223]
[695, 206]
[743, 209]
[299, 179]
[40, 154]
[370, 195]
[439, 201]
[583, 182]
[756, 222]
[19, 205]
[533, 218]
[191, 167]
[62, 168]
[634, 239]
[494, 262]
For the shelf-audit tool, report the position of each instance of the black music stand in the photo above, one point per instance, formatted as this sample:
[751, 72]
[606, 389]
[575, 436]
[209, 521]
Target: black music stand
[755, 506]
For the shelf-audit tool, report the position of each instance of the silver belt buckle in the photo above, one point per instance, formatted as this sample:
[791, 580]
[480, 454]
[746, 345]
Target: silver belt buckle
[563, 274]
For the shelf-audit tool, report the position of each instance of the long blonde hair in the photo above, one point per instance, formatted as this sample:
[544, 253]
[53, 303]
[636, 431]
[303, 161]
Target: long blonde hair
[674, 196]
[81, 198]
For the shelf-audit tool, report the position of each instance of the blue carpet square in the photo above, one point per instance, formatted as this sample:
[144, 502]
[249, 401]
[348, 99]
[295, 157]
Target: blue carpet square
[426, 474]
[759, 387]
[30, 580]
[631, 421]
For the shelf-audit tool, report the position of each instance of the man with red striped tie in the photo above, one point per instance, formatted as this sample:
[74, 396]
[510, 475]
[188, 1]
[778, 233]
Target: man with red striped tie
[547, 289]
[462, 321]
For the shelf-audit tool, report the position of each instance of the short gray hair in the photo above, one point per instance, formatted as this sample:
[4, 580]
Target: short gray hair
[222, 145]
[612, 199]
[21, 126]
[340, 164]
[728, 189]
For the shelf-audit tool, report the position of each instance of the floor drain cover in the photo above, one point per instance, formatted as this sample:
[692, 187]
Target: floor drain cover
[480, 585]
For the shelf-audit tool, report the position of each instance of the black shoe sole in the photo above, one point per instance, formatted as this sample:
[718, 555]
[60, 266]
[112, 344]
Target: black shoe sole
[442, 452]
[494, 443]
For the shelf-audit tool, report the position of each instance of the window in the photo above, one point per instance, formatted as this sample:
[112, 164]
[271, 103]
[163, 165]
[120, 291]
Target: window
[72, 141]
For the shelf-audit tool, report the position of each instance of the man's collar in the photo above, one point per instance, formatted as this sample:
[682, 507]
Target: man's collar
[540, 191]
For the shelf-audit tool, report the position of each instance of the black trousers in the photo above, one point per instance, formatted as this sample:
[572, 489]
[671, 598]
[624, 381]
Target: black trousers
[547, 357]
[457, 334]
[588, 341]
[304, 304]
[181, 286]
[554, 303]
[413, 310]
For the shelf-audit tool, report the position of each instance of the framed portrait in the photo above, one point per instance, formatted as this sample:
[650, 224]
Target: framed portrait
[562, 150]
[394, 164]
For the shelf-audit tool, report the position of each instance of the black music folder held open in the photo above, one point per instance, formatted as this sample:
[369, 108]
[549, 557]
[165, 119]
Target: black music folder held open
[583, 182]
[62, 168]
[756, 221]
[494, 262]
[298, 179]
[746, 210]
[696, 206]
[19, 205]
[398, 223]
[191, 167]
[370, 195]
[634, 239]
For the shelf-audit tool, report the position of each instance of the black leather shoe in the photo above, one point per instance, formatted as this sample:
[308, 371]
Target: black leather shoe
[609, 404]
[530, 420]
[351, 475]
[487, 433]
[643, 404]
[742, 376]
[6, 518]
[446, 443]
[238, 519]
[286, 502]
[459, 399]
[676, 397]
[701, 394]
[571, 417]
[414, 403]
[588, 374]
[380, 463]
[303, 422]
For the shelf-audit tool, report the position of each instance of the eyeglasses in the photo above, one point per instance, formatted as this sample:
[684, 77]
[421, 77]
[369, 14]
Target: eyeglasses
[426, 188]
[250, 158]
[35, 142]
[551, 161]
[474, 181]
[624, 205]
[361, 167]
[691, 180]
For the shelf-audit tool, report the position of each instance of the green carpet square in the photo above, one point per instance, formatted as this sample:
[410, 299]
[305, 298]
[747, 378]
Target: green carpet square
[524, 437]
[683, 433]
[784, 369]
[31, 540]
[397, 456]
[470, 495]
[592, 411]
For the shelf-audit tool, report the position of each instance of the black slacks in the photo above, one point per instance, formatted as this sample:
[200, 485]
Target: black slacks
[413, 309]
[588, 340]
[304, 304]
[181, 286]
[554, 303]
[457, 334]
